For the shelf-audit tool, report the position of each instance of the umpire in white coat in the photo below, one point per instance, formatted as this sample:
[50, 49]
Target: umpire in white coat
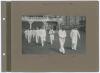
[74, 37]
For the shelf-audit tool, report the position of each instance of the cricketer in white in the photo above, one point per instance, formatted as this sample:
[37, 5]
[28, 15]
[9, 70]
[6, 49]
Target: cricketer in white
[62, 36]
[51, 32]
[74, 36]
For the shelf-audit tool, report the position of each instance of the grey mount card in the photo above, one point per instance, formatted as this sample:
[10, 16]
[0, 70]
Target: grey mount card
[59, 36]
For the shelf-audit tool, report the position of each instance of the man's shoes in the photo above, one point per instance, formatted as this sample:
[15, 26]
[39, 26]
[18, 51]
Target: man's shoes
[62, 51]
[74, 48]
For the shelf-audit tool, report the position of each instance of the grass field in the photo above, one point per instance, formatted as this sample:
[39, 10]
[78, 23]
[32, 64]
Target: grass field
[34, 48]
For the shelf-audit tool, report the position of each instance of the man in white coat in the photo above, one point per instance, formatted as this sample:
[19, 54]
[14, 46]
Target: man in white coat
[51, 32]
[28, 35]
[34, 33]
[74, 37]
[43, 36]
[37, 34]
[62, 35]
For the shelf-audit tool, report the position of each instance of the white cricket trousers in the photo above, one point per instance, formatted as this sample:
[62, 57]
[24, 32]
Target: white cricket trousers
[37, 38]
[74, 44]
[62, 42]
[43, 40]
[29, 36]
[51, 38]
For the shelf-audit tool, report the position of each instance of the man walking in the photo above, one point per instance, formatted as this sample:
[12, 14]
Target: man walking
[74, 36]
[26, 34]
[37, 34]
[51, 32]
[42, 36]
[62, 36]
[34, 33]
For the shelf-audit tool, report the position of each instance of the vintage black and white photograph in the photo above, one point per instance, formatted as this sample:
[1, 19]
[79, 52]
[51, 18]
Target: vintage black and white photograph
[53, 34]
